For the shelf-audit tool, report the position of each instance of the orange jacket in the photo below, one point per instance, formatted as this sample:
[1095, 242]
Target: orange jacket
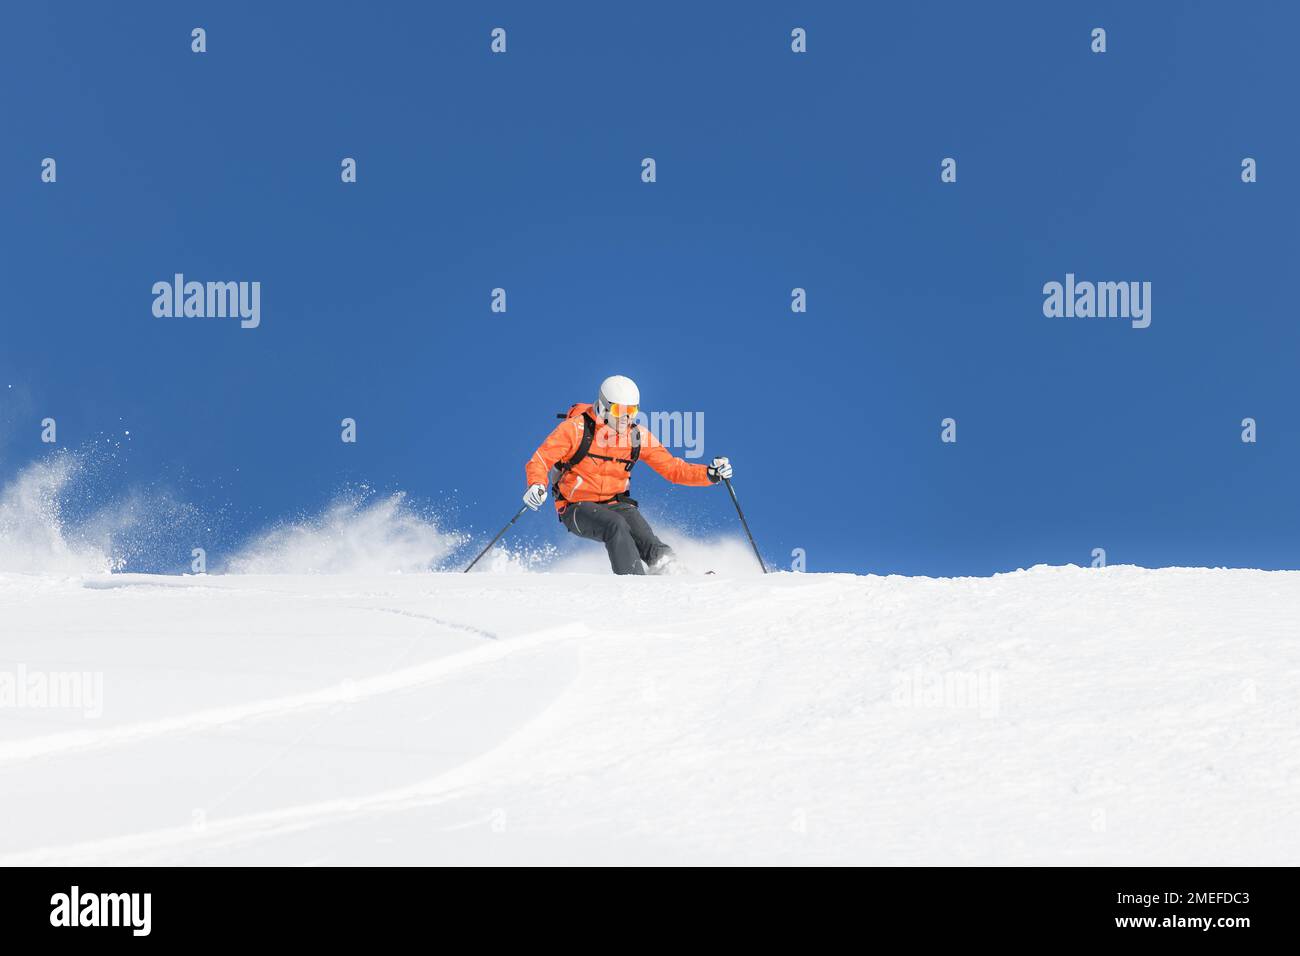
[596, 480]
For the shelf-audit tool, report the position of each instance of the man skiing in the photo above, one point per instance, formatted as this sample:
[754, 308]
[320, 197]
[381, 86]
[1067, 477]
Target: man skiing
[593, 450]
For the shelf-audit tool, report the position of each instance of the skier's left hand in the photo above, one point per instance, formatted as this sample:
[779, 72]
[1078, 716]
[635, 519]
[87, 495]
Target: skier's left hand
[720, 469]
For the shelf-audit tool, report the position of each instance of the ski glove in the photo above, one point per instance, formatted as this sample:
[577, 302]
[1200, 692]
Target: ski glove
[535, 495]
[721, 468]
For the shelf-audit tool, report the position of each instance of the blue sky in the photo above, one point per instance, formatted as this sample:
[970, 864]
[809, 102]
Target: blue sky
[775, 170]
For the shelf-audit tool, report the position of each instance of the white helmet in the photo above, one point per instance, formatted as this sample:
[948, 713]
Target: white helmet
[616, 390]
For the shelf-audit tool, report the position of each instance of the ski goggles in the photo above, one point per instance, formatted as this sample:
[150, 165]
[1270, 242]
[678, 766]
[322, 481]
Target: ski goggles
[618, 411]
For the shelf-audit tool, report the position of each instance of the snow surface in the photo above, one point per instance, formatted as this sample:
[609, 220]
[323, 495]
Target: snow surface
[1054, 716]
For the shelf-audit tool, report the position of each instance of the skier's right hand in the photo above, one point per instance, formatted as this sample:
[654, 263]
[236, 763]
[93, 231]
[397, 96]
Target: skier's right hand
[535, 496]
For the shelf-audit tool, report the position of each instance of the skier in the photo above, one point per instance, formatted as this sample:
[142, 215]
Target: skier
[593, 451]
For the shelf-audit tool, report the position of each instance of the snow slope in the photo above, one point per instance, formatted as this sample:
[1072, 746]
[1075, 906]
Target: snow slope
[1057, 715]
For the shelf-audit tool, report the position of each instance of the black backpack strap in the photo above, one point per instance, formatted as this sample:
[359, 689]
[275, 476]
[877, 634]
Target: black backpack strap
[584, 446]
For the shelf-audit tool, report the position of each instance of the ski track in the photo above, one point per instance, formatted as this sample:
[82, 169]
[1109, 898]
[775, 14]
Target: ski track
[150, 847]
[347, 692]
[467, 628]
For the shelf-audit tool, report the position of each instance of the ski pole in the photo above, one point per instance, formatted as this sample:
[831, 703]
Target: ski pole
[494, 540]
[736, 502]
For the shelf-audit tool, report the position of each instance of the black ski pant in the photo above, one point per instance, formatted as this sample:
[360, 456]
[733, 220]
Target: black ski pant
[627, 535]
